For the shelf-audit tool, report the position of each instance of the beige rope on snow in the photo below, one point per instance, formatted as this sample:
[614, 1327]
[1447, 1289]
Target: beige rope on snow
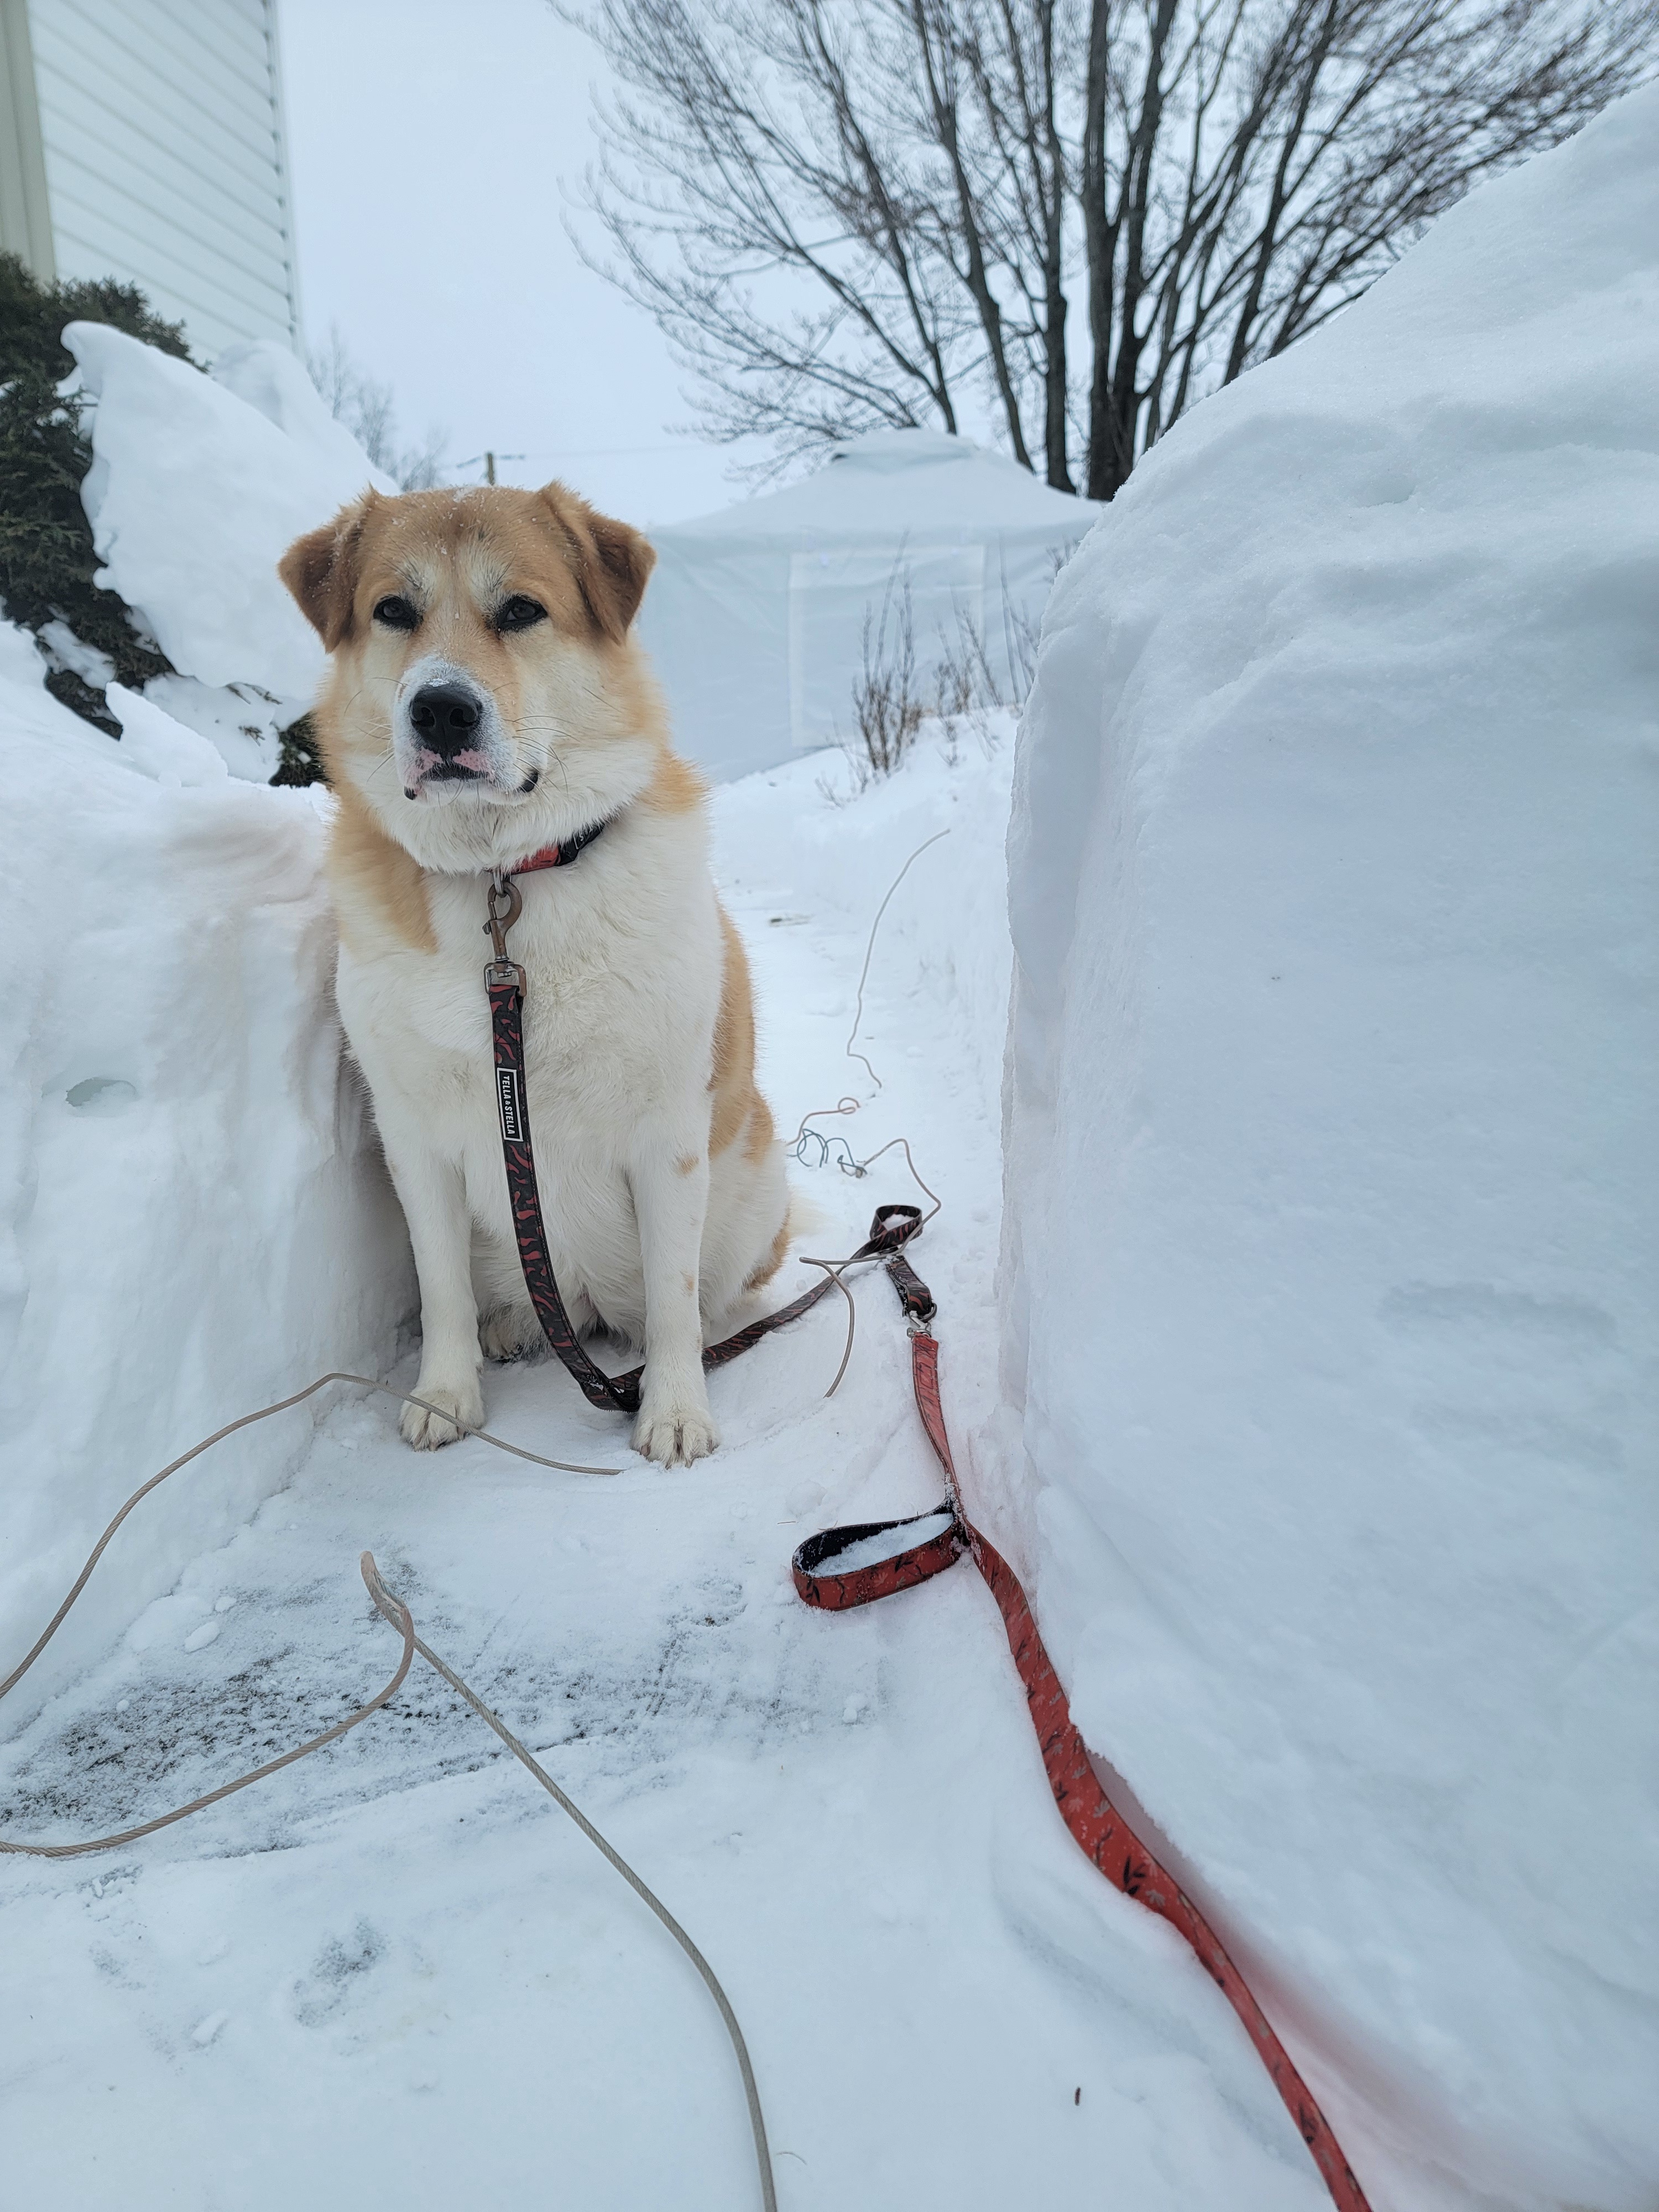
[393, 1610]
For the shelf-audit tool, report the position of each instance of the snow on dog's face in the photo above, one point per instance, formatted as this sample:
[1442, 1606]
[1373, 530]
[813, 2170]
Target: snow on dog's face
[485, 696]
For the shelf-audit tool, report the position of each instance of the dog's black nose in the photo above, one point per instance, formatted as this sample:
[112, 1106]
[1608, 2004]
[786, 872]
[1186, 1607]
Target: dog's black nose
[445, 717]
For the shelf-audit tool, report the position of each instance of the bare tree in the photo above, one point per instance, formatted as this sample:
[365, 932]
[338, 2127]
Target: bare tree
[366, 409]
[851, 214]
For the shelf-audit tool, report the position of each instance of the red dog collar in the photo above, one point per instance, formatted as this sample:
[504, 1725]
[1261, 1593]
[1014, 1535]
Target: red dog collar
[558, 856]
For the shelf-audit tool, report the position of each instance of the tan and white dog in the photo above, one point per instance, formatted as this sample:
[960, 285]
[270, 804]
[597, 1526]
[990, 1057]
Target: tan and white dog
[486, 699]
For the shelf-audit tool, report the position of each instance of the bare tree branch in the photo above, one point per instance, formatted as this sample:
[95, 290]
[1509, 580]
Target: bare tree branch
[853, 214]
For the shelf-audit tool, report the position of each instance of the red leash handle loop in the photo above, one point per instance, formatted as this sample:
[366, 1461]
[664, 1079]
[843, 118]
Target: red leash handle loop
[820, 1585]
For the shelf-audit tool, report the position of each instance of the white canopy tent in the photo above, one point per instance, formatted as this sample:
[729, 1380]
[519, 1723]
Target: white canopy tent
[756, 617]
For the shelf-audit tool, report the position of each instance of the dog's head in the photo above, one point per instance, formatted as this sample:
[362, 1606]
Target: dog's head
[485, 695]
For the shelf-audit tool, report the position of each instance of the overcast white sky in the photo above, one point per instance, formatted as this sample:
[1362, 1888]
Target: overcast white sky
[428, 139]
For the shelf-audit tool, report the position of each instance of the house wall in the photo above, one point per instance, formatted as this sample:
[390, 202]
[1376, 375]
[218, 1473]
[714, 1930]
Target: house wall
[161, 122]
[25, 219]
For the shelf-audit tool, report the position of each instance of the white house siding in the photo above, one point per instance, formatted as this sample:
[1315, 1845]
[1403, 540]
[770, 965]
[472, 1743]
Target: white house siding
[161, 124]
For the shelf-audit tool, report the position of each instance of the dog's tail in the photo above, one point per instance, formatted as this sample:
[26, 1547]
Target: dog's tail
[805, 1219]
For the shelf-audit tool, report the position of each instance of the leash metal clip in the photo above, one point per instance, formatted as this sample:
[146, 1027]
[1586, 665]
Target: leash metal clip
[505, 904]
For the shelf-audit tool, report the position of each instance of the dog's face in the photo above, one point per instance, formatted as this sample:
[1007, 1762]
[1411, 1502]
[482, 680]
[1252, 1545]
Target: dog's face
[481, 681]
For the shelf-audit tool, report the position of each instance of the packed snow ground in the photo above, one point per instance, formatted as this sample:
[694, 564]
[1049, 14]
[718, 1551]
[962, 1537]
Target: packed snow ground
[396, 1970]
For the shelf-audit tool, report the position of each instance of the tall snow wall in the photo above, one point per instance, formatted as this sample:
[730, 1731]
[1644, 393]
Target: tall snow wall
[1331, 1249]
[194, 1217]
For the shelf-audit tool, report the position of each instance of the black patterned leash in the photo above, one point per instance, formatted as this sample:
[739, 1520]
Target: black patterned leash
[504, 980]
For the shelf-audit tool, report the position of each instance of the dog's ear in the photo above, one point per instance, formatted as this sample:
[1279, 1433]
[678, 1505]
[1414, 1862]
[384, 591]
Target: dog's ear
[613, 563]
[321, 571]
[625, 562]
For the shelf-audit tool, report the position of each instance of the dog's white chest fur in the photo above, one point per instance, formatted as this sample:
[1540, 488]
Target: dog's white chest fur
[621, 955]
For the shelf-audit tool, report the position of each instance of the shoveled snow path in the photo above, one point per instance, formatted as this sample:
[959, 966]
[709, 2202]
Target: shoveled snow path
[396, 1970]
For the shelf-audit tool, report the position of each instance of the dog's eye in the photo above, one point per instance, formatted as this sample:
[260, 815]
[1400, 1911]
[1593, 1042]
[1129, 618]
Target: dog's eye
[397, 614]
[518, 613]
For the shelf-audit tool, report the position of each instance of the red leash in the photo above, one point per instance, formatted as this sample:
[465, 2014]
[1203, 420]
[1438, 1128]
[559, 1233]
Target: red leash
[1093, 1820]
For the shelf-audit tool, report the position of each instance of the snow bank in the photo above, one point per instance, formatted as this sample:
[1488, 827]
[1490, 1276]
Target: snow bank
[1330, 1229]
[199, 486]
[192, 1218]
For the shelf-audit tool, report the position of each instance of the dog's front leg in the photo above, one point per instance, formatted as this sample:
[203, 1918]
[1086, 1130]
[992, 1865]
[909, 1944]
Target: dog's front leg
[669, 1183]
[434, 1206]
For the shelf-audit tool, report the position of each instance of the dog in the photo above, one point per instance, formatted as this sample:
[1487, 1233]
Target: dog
[487, 699]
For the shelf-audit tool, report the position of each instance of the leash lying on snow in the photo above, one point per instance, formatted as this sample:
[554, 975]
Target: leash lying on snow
[1087, 1811]
[1094, 1821]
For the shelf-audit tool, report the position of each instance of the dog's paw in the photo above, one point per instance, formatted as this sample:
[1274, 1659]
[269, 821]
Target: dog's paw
[455, 1411]
[675, 1435]
[511, 1332]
